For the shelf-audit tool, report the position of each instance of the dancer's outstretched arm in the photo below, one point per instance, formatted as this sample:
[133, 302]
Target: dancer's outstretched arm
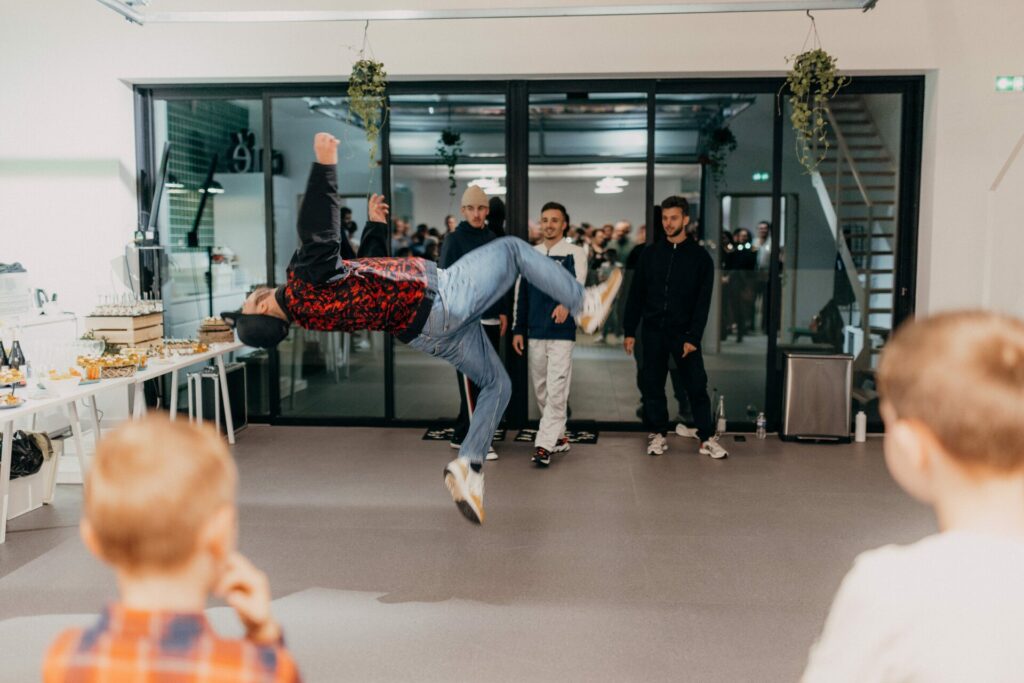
[319, 223]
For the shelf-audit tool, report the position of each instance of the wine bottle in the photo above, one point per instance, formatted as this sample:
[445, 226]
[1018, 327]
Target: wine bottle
[17, 358]
[3, 356]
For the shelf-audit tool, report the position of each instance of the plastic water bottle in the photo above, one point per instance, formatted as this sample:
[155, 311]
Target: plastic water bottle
[760, 424]
[721, 415]
[860, 431]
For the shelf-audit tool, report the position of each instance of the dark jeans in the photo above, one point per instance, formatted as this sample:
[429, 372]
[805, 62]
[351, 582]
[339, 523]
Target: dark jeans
[658, 347]
[468, 391]
[678, 385]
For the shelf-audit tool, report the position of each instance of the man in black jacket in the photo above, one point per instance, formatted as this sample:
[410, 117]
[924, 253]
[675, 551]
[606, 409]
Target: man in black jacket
[471, 233]
[671, 295]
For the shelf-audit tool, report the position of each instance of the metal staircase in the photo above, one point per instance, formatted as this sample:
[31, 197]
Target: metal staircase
[857, 184]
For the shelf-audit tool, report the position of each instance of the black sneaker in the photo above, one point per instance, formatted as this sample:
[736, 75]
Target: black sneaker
[542, 456]
[562, 445]
[455, 443]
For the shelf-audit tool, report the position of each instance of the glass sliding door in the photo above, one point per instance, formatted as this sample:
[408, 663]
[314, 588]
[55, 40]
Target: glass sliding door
[729, 137]
[588, 152]
[425, 204]
[839, 260]
[211, 222]
[324, 374]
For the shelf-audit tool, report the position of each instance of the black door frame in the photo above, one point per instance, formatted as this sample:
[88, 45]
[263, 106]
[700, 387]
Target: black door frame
[517, 92]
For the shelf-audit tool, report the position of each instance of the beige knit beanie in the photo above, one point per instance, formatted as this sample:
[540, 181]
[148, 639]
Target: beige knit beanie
[474, 196]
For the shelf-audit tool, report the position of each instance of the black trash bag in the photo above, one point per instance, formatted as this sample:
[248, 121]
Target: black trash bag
[27, 453]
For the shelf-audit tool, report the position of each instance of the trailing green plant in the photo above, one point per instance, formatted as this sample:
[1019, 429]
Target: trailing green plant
[721, 143]
[449, 149]
[366, 92]
[812, 82]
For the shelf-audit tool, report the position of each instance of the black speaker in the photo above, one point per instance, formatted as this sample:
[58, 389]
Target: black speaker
[235, 373]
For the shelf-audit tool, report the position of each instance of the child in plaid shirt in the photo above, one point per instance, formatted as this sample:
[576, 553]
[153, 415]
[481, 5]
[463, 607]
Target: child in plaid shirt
[159, 508]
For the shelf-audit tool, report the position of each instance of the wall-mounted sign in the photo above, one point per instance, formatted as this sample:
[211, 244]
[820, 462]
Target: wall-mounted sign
[1009, 83]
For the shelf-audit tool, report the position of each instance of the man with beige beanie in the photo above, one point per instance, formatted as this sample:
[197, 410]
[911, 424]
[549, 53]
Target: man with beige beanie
[470, 234]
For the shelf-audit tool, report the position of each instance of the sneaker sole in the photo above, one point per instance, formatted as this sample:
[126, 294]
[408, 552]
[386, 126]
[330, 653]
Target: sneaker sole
[713, 457]
[464, 505]
[562, 449]
[591, 327]
[491, 457]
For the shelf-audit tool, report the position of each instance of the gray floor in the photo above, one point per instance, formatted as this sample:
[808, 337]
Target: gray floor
[609, 566]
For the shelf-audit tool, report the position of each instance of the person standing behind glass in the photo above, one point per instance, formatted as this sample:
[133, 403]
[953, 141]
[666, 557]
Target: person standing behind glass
[470, 234]
[670, 298]
[763, 253]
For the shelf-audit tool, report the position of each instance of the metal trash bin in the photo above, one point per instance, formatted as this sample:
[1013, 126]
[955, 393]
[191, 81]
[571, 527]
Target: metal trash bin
[816, 404]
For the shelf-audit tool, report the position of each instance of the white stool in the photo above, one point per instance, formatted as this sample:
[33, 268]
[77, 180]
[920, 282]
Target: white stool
[195, 395]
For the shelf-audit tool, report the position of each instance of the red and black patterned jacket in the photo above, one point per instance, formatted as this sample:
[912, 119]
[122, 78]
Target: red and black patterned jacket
[327, 292]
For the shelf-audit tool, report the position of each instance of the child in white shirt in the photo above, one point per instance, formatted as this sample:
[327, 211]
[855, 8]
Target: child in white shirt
[951, 606]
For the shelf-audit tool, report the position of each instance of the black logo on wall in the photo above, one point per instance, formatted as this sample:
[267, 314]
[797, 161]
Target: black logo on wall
[243, 157]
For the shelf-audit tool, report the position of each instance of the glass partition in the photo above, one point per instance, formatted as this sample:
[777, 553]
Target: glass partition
[325, 374]
[211, 221]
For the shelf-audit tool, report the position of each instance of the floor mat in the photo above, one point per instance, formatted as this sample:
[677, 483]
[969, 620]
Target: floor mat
[442, 433]
[583, 436]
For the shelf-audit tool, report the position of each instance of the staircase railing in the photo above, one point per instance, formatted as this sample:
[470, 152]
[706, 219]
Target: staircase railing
[832, 208]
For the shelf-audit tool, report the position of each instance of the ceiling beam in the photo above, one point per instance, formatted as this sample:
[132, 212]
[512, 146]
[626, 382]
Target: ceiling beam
[129, 10]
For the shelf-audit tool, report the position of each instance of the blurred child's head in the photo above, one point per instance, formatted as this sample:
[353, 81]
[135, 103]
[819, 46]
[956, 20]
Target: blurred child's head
[952, 390]
[159, 496]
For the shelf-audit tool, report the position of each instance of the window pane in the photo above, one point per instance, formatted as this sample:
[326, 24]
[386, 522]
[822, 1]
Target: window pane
[423, 201]
[325, 374]
[212, 218]
[737, 197]
[840, 250]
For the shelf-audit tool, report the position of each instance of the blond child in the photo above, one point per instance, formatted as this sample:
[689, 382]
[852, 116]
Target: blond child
[160, 510]
[951, 606]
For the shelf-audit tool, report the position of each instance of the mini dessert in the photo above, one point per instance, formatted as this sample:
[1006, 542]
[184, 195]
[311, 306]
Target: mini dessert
[214, 330]
[12, 377]
[10, 400]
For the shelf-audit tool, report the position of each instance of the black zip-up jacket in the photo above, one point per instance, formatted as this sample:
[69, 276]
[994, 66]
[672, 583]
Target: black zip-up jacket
[671, 291]
[464, 239]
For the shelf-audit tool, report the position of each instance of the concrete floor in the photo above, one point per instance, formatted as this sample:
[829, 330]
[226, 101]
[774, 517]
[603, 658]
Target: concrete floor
[609, 566]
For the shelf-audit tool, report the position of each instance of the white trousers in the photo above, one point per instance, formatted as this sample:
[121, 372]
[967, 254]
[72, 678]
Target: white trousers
[551, 372]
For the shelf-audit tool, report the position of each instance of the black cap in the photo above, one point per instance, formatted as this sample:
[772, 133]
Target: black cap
[261, 331]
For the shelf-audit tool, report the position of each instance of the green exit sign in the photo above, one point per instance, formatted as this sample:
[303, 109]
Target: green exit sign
[1009, 83]
[761, 177]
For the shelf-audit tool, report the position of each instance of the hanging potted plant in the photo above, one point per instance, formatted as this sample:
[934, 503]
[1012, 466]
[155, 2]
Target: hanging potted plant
[366, 92]
[449, 148]
[812, 83]
[721, 142]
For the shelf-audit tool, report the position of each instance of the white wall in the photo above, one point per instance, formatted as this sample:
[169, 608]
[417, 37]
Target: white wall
[67, 140]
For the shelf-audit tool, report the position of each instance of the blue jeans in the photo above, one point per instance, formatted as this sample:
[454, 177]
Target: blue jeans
[453, 330]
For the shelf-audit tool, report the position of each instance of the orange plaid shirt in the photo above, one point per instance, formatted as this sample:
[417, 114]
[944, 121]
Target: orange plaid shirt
[162, 647]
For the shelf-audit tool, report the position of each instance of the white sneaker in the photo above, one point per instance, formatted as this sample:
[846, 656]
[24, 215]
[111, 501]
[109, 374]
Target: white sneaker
[467, 489]
[491, 454]
[714, 449]
[562, 445]
[656, 444]
[597, 302]
[686, 432]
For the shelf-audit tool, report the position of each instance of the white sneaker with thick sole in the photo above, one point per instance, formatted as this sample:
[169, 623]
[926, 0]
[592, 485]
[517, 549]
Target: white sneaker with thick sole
[467, 489]
[656, 444]
[562, 445]
[491, 454]
[712, 448]
[598, 301]
[686, 432]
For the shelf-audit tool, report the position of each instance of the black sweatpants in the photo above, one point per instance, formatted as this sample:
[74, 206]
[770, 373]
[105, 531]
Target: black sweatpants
[658, 346]
[469, 391]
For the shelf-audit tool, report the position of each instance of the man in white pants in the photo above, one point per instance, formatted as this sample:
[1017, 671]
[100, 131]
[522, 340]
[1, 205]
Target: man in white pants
[552, 334]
